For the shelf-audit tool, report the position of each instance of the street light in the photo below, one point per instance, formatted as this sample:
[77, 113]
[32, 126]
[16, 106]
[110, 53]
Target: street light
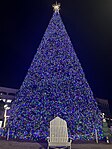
[5, 114]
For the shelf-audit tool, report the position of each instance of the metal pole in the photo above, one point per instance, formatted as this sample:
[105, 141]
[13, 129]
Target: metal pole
[8, 134]
[5, 117]
[96, 136]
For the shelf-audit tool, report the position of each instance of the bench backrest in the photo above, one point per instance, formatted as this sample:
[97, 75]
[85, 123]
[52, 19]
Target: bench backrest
[58, 130]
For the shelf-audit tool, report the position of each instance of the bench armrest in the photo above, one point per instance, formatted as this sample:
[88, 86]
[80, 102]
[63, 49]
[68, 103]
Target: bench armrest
[48, 139]
[70, 139]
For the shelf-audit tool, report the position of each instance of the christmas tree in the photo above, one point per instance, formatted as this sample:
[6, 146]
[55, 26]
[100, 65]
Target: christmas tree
[55, 85]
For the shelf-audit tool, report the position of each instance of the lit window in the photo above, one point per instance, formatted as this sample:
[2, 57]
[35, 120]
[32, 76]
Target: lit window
[9, 101]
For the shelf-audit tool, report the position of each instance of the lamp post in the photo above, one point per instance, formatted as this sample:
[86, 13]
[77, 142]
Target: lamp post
[96, 135]
[5, 115]
[105, 128]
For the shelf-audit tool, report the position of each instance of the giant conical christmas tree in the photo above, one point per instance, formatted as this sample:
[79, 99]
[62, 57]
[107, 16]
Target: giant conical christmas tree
[55, 85]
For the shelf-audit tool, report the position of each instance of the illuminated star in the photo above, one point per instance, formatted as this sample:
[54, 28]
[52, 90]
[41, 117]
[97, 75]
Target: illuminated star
[56, 7]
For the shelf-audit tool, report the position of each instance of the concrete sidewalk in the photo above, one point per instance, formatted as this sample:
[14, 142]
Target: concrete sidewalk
[28, 145]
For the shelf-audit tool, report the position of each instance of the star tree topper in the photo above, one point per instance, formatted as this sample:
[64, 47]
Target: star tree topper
[56, 7]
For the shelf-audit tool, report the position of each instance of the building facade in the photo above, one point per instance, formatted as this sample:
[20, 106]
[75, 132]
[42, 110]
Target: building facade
[7, 95]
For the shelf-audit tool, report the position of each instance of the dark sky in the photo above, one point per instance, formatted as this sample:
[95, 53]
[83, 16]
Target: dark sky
[88, 23]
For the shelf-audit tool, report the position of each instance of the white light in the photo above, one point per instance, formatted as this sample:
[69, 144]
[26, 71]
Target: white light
[0, 124]
[104, 120]
[5, 106]
[4, 100]
[56, 7]
[9, 101]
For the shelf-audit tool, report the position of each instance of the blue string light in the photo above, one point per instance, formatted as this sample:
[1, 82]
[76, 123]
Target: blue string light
[55, 85]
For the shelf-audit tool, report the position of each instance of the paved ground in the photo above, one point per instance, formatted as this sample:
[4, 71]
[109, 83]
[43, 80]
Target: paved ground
[26, 145]
[91, 146]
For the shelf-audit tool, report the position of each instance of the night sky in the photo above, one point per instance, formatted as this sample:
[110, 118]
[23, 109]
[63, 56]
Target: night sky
[88, 23]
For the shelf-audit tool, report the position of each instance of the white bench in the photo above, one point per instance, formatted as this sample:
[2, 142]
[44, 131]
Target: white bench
[58, 134]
